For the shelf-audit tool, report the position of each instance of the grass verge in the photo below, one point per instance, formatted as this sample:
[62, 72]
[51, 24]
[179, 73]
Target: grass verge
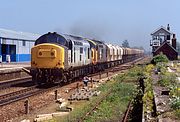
[114, 106]
[123, 87]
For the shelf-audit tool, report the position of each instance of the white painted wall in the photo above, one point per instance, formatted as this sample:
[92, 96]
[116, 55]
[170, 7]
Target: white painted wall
[20, 49]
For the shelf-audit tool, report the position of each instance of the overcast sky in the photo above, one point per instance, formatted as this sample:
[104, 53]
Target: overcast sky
[109, 20]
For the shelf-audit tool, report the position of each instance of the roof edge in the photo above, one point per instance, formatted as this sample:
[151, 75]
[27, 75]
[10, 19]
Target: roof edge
[161, 27]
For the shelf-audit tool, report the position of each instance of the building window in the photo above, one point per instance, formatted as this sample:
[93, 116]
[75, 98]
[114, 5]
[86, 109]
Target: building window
[24, 43]
[168, 37]
[156, 43]
[3, 41]
[154, 37]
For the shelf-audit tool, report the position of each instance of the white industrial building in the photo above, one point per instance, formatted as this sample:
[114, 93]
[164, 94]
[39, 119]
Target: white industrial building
[16, 46]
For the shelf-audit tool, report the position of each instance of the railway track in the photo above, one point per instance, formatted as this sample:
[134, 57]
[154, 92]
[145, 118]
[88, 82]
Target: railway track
[9, 83]
[8, 98]
[17, 95]
[31, 91]
[24, 93]
[125, 118]
[123, 66]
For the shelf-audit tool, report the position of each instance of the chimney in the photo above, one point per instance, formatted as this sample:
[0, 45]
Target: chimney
[168, 27]
[174, 41]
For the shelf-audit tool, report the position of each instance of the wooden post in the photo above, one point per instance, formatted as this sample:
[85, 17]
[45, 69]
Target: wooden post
[99, 75]
[77, 87]
[26, 105]
[91, 83]
[56, 94]
[107, 73]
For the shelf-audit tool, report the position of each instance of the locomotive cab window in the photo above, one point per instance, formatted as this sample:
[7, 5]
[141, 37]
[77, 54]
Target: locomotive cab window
[52, 38]
[71, 48]
[81, 50]
[70, 44]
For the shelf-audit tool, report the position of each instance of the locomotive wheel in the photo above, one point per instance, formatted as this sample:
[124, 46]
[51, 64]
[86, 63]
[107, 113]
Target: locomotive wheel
[37, 80]
[56, 80]
[65, 80]
[34, 79]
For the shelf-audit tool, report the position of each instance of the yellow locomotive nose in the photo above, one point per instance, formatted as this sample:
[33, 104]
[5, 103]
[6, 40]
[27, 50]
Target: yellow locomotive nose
[47, 56]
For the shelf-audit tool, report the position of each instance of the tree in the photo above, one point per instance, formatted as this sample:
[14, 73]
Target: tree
[140, 47]
[125, 43]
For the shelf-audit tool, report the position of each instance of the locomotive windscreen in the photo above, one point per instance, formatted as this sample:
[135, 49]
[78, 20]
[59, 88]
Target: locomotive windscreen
[52, 38]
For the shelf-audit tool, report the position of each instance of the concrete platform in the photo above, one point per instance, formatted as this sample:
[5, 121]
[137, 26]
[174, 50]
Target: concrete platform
[8, 67]
[14, 64]
[13, 70]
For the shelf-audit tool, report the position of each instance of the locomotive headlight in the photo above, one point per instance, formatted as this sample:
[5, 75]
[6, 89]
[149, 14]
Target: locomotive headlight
[40, 53]
[52, 53]
[59, 62]
[33, 62]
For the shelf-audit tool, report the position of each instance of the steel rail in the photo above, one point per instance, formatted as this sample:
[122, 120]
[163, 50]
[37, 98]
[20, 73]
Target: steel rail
[127, 112]
[15, 96]
[9, 83]
[95, 106]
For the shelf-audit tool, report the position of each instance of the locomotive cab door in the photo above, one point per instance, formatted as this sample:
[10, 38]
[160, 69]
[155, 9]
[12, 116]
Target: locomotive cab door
[70, 53]
[85, 56]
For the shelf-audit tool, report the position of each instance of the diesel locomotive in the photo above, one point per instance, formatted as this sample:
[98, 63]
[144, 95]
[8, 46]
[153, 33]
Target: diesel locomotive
[59, 58]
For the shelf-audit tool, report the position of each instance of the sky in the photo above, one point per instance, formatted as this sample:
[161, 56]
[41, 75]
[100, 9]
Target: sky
[112, 21]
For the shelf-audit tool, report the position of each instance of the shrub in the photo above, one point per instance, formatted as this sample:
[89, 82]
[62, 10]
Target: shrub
[159, 58]
[149, 68]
